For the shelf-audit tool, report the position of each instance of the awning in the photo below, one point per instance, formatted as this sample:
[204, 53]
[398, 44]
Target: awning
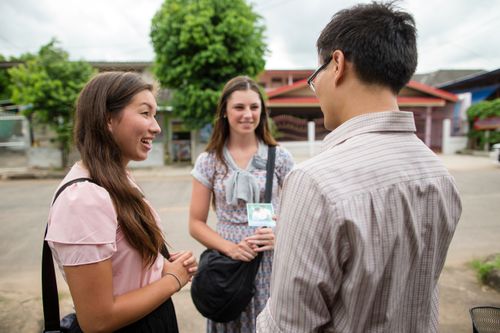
[491, 123]
[312, 101]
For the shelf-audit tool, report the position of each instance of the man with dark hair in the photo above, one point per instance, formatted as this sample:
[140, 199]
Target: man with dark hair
[364, 226]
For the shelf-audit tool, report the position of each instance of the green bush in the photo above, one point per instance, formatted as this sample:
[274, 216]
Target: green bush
[479, 138]
[482, 110]
[484, 268]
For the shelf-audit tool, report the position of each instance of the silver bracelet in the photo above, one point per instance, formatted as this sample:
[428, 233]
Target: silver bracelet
[175, 277]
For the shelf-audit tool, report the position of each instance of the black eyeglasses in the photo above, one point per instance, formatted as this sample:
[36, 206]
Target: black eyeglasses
[310, 80]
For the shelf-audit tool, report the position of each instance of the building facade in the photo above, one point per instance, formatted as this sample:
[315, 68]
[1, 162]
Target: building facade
[294, 106]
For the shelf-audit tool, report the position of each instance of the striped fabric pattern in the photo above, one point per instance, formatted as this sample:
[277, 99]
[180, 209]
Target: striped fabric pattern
[363, 233]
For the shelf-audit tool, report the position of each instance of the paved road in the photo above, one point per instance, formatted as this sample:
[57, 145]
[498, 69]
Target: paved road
[24, 205]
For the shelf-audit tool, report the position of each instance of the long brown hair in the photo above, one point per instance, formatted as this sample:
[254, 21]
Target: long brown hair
[221, 131]
[104, 97]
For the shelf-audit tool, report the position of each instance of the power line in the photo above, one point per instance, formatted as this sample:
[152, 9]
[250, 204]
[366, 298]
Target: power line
[472, 32]
[9, 42]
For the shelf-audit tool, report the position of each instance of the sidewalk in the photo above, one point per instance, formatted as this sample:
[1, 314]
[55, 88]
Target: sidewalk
[148, 172]
[468, 162]
[452, 162]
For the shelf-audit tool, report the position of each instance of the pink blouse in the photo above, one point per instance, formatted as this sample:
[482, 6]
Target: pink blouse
[83, 229]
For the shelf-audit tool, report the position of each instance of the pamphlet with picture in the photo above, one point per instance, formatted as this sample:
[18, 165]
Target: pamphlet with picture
[260, 215]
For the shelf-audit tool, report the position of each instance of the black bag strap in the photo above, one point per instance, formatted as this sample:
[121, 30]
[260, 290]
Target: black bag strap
[271, 157]
[50, 298]
[164, 252]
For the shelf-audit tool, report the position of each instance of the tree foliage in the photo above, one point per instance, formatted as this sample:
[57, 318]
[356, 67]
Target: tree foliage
[50, 84]
[4, 81]
[201, 44]
[482, 110]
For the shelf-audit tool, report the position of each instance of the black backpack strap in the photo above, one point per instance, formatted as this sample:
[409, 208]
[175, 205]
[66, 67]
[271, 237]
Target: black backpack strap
[49, 285]
[271, 157]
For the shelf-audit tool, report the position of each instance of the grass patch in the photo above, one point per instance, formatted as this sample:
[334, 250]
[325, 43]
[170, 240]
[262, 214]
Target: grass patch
[484, 267]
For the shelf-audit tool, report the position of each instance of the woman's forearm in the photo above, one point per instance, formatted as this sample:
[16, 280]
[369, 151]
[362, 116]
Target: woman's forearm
[198, 214]
[134, 305]
[98, 311]
[208, 237]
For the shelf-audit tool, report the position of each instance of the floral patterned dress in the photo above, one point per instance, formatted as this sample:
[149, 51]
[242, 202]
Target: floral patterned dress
[232, 222]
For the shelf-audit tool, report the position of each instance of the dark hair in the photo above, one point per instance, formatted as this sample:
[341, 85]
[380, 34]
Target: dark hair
[378, 39]
[104, 97]
[221, 127]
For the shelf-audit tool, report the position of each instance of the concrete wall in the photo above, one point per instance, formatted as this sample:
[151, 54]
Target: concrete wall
[48, 157]
[197, 147]
[495, 154]
[302, 150]
[155, 157]
[451, 144]
[44, 157]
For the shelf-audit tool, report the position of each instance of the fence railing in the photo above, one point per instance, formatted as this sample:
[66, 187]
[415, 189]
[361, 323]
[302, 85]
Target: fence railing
[295, 129]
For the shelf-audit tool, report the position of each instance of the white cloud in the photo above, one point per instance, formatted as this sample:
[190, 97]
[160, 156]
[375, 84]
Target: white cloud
[278, 57]
[452, 33]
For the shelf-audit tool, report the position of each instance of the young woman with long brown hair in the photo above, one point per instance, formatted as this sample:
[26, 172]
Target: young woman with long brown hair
[105, 236]
[232, 172]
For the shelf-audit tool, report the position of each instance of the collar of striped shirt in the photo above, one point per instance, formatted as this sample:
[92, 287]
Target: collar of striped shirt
[387, 121]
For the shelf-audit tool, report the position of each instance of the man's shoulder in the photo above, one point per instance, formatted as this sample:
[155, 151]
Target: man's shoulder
[319, 168]
[326, 162]
[360, 166]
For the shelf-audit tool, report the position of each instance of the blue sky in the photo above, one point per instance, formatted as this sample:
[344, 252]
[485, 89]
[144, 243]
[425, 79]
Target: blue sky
[453, 34]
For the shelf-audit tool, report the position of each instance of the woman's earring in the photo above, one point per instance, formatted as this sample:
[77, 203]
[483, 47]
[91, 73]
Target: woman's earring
[224, 116]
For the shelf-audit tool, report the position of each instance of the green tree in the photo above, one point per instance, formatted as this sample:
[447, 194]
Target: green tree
[199, 45]
[50, 84]
[4, 81]
[482, 110]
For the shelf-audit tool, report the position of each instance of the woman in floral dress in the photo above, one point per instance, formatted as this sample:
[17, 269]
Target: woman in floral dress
[230, 174]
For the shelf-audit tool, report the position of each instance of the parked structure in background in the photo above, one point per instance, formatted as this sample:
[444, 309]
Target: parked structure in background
[15, 136]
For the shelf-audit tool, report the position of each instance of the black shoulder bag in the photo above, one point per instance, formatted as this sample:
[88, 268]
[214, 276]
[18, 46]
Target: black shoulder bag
[222, 288]
[69, 324]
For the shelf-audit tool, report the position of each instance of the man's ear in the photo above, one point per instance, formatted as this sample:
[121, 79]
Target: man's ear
[339, 65]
